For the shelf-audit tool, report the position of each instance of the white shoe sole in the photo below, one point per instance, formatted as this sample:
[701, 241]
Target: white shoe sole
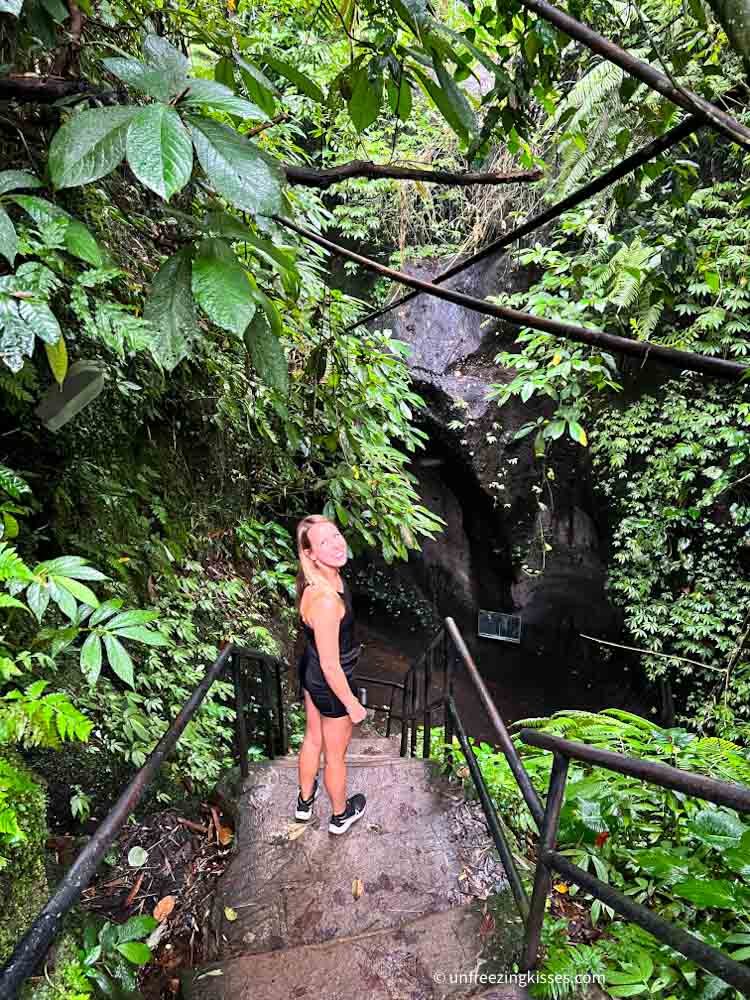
[303, 815]
[343, 827]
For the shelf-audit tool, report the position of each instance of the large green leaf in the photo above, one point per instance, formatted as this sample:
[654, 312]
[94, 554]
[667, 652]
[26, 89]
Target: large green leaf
[37, 597]
[16, 338]
[78, 239]
[224, 72]
[79, 590]
[57, 10]
[280, 258]
[41, 320]
[708, 893]
[456, 98]
[442, 102]
[135, 952]
[666, 865]
[63, 599]
[737, 859]
[221, 286]
[12, 180]
[272, 313]
[119, 659]
[170, 310]
[161, 54]
[259, 88]
[135, 617]
[166, 64]
[237, 167]
[57, 358]
[144, 635]
[89, 145]
[137, 927]
[367, 94]
[399, 97]
[221, 98]
[159, 150]
[717, 828]
[144, 78]
[105, 611]
[91, 658]
[303, 83]
[8, 238]
[267, 353]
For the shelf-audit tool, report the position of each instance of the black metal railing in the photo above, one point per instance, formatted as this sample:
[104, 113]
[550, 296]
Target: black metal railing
[387, 710]
[263, 708]
[722, 793]
[446, 651]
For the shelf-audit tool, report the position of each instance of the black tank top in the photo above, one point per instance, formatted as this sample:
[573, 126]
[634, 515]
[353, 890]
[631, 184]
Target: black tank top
[311, 672]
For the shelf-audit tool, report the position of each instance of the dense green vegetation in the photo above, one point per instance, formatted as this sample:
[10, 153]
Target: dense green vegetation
[685, 858]
[148, 152]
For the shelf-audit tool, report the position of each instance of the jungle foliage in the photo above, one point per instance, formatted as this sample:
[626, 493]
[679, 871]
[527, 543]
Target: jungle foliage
[685, 858]
[145, 167]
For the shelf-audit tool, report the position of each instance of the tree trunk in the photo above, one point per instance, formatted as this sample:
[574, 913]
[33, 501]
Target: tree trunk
[734, 17]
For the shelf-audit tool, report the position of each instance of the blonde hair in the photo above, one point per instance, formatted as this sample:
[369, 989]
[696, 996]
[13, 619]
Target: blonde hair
[308, 573]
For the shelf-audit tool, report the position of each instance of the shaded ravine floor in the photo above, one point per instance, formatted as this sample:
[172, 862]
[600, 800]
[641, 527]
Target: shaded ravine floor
[290, 921]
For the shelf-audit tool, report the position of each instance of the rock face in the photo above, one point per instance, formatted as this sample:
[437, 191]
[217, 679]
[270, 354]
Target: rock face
[487, 487]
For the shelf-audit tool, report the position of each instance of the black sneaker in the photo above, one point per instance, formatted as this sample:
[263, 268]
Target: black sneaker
[304, 809]
[341, 822]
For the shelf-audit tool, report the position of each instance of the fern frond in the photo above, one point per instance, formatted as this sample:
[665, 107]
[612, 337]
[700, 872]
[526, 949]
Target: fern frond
[648, 313]
[635, 720]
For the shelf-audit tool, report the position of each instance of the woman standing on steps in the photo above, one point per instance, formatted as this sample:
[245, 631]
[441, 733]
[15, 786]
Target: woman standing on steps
[325, 671]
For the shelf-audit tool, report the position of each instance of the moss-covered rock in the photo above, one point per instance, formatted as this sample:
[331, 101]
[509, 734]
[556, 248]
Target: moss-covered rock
[23, 835]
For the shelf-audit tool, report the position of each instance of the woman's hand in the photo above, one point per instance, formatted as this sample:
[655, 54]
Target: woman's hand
[356, 712]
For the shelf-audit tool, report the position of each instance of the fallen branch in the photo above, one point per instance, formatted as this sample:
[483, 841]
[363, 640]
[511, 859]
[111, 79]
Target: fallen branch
[311, 177]
[682, 360]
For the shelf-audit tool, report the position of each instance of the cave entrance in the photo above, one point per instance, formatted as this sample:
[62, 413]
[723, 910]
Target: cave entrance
[467, 568]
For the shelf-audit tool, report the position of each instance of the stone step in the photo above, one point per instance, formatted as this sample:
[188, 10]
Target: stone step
[361, 751]
[290, 884]
[415, 961]
[352, 760]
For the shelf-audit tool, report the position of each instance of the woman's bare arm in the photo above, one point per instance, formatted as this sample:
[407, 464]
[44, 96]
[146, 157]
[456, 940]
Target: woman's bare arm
[324, 615]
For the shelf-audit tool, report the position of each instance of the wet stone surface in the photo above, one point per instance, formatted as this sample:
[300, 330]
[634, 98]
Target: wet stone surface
[386, 911]
[291, 884]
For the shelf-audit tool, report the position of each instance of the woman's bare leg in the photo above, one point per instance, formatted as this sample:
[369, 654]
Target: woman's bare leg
[309, 752]
[336, 736]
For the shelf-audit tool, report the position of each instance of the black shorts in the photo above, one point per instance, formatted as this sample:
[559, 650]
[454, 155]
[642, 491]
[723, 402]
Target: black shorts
[329, 704]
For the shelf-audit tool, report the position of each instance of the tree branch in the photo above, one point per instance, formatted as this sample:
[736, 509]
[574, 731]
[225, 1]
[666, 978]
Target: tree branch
[257, 129]
[682, 97]
[552, 212]
[643, 350]
[45, 90]
[311, 177]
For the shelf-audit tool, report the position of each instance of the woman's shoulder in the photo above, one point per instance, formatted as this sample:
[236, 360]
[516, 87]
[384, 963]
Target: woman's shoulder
[321, 601]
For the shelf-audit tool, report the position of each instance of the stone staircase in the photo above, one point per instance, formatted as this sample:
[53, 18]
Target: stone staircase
[376, 913]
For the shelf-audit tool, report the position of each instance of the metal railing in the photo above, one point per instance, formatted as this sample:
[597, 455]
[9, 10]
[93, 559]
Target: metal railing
[722, 793]
[267, 711]
[449, 645]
